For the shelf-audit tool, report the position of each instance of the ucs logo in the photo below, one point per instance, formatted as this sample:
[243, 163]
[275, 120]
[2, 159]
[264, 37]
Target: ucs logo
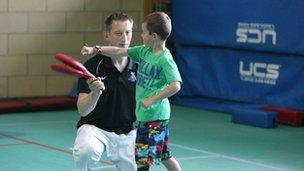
[256, 33]
[259, 72]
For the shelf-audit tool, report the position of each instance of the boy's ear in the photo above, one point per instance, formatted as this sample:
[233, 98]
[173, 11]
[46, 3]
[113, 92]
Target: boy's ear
[155, 36]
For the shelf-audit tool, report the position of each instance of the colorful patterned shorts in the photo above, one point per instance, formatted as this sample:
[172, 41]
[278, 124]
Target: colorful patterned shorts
[152, 143]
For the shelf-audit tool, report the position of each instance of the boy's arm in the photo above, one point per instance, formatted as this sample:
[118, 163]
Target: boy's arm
[169, 91]
[113, 52]
[110, 51]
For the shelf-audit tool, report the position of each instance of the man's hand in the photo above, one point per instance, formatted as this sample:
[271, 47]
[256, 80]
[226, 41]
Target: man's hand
[96, 85]
[87, 50]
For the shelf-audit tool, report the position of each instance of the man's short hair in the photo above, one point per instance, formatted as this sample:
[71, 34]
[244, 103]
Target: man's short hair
[117, 16]
[159, 23]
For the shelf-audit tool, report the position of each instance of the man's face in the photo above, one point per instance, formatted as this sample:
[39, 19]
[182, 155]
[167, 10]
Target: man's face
[120, 34]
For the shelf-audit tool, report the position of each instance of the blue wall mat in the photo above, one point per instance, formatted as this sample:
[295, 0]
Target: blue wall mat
[265, 25]
[242, 76]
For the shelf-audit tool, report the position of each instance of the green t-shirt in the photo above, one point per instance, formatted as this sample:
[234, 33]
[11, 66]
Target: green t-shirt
[155, 73]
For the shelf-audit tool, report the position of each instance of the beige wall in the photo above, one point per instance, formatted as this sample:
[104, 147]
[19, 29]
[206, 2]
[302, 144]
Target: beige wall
[32, 31]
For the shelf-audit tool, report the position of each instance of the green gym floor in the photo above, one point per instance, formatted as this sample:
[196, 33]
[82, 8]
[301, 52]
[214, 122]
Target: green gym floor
[200, 141]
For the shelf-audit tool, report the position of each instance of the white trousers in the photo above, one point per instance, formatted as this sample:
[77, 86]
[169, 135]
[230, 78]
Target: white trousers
[91, 142]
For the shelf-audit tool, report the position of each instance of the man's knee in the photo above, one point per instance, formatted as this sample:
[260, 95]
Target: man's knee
[86, 152]
[81, 153]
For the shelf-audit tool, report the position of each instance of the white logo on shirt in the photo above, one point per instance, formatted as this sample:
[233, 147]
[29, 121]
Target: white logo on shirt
[132, 77]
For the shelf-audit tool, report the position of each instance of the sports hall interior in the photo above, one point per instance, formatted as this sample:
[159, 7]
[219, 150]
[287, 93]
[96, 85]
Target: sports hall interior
[241, 106]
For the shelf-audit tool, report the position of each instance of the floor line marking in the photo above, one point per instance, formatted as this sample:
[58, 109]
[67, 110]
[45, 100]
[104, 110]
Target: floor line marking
[196, 157]
[13, 144]
[227, 157]
[37, 123]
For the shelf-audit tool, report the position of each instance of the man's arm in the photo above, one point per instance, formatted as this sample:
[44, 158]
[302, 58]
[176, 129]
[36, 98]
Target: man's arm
[87, 101]
[110, 51]
[169, 91]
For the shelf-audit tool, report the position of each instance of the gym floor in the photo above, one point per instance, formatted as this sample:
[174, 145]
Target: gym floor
[200, 140]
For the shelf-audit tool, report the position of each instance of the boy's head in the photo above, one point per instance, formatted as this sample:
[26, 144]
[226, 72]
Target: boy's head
[119, 29]
[158, 23]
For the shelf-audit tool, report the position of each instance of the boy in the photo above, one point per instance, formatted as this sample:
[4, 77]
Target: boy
[157, 79]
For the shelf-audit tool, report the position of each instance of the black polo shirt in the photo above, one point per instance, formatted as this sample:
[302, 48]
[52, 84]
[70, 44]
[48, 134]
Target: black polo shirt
[115, 110]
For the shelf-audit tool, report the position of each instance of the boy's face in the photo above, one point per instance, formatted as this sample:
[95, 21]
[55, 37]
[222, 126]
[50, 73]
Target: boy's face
[120, 34]
[146, 36]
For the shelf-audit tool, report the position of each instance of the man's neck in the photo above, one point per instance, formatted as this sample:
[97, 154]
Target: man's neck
[120, 63]
[120, 60]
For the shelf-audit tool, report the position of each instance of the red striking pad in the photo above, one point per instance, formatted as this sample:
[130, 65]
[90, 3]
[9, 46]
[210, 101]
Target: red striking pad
[71, 67]
[68, 70]
[287, 116]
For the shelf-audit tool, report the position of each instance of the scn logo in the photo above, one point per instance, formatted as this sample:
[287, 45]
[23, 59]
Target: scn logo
[256, 33]
[259, 72]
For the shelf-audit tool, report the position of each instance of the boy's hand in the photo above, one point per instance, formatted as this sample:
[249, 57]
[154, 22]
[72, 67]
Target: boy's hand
[147, 102]
[87, 50]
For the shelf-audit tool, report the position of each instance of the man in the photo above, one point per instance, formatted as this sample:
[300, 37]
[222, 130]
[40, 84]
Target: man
[107, 117]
